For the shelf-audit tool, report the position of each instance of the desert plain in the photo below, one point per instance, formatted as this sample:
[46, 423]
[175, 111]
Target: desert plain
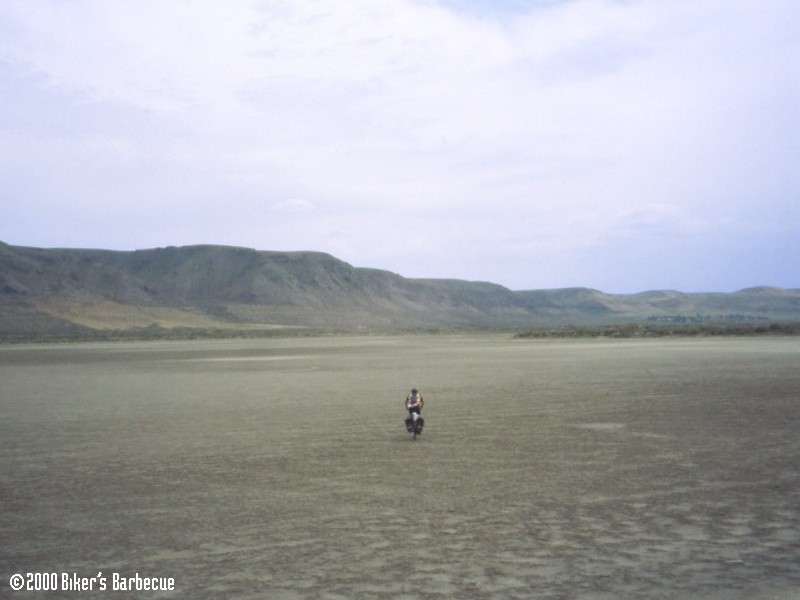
[280, 468]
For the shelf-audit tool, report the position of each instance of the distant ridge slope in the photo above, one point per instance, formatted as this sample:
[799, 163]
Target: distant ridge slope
[44, 291]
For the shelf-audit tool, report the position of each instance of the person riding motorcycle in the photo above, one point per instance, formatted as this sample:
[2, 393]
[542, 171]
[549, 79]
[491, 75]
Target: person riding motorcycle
[414, 404]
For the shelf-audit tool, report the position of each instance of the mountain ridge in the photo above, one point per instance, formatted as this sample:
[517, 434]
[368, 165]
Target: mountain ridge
[46, 291]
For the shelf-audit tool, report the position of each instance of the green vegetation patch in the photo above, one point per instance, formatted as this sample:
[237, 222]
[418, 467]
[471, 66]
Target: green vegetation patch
[639, 330]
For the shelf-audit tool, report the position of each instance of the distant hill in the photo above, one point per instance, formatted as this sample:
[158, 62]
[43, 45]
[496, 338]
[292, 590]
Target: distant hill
[49, 292]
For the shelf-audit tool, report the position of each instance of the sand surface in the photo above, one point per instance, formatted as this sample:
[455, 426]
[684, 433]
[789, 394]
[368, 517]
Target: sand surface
[281, 468]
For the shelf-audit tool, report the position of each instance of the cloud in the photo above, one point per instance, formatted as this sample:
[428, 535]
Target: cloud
[498, 133]
[293, 206]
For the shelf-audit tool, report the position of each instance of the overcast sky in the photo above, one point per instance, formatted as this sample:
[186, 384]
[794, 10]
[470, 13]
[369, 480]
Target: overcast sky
[624, 145]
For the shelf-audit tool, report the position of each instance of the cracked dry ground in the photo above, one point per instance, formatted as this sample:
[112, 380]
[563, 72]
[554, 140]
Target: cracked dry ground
[281, 468]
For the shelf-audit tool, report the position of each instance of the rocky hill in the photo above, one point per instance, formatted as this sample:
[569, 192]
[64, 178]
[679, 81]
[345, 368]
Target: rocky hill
[63, 291]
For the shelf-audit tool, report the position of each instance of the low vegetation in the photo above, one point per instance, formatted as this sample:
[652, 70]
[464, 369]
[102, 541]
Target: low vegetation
[630, 330]
[639, 330]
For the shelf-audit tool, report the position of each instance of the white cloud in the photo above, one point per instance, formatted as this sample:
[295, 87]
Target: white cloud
[293, 205]
[551, 129]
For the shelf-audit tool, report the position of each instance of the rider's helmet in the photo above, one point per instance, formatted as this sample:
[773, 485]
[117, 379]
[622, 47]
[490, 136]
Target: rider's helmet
[414, 391]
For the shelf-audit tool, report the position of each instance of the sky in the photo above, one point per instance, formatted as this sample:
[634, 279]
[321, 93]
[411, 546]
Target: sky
[623, 145]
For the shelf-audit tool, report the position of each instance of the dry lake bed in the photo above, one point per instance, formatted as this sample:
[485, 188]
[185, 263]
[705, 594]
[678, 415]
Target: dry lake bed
[280, 468]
